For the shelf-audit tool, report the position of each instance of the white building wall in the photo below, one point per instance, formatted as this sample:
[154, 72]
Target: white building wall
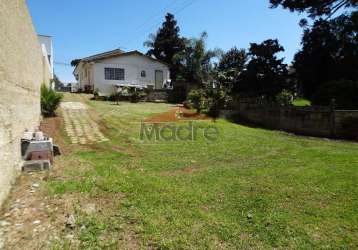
[46, 42]
[133, 66]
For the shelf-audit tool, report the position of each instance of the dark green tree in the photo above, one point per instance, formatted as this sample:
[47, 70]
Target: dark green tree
[58, 84]
[166, 43]
[329, 53]
[315, 8]
[234, 59]
[196, 61]
[266, 74]
[75, 62]
[230, 66]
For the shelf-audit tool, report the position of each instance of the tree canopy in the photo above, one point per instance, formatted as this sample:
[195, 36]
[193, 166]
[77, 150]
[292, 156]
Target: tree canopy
[315, 8]
[329, 53]
[166, 43]
[230, 66]
[265, 74]
[75, 62]
[195, 60]
[234, 59]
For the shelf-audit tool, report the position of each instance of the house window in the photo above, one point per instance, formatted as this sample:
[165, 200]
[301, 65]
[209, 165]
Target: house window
[113, 74]
[143, 73]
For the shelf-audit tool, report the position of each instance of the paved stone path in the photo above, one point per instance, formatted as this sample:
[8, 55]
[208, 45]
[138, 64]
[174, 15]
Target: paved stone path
[79, 126]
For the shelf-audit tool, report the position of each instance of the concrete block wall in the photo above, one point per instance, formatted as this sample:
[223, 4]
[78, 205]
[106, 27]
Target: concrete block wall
[314, 121]
[21, 75]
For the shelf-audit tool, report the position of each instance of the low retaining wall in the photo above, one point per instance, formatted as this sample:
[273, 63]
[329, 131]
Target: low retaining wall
[157, 95]
[314, 121]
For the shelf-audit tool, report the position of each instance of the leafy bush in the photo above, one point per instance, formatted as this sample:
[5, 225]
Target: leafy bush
[217, 99]
[209, 101]
[135, 96]
[285, 98]
[343, 91]
[176, 95]
[50, 100]
[131, 94]
[96, 94]
[350, 126]
[197, 98]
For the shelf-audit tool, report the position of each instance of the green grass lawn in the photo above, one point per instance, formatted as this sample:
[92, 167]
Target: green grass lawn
[252, 188]
[300, 102]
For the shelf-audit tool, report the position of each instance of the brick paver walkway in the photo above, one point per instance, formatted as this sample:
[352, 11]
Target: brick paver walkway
[79, 126]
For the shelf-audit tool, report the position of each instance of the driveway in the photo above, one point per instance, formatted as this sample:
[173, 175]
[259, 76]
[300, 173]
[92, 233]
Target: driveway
[79, 126]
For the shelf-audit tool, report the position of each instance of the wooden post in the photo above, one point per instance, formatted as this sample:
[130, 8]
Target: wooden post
[333, 118]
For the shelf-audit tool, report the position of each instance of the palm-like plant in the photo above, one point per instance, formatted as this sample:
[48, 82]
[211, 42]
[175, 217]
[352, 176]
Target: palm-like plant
[196, 60]
[50, 100]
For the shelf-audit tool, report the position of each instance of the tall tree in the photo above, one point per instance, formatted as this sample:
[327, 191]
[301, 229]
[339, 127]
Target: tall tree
[266, 74]
[234, 59]
[329, 53]
[315, 8]
[166, 43]
[196, 60]
[230, 66]
[58, 84]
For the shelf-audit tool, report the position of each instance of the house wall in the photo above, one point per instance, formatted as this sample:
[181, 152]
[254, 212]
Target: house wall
[46, 41]
[133, 65]
[21, 74]
[85, 72]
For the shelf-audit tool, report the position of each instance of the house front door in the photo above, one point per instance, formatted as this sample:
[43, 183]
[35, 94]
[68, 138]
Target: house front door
[159, 78]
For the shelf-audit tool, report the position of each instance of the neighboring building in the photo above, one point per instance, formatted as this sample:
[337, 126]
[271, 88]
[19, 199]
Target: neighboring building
[106, 71]
[21, 74]
[74, 87]
[47, 51]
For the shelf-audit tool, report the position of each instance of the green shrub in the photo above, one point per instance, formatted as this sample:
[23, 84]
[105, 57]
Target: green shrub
[136, 94]
[285, 98]
[197, 98]
[209, 101]
[177, 95]
[217, 99]
[350, 126]
[50, 100]
[96, 94]
[343, 91]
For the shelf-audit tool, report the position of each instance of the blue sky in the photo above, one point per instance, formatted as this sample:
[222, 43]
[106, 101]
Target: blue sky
[84, 27]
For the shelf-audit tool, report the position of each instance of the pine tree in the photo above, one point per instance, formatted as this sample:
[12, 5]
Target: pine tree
[166, 43]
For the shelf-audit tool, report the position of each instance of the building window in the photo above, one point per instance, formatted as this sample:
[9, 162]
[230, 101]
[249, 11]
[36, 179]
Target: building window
[143, 73]
[113, 74]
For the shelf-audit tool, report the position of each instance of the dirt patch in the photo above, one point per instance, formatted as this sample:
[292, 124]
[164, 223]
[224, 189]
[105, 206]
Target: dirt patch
[27, 214]
[178, 113]
[53, 128]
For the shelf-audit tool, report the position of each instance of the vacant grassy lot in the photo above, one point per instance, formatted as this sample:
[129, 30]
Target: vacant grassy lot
[301, 102]
[251, 188]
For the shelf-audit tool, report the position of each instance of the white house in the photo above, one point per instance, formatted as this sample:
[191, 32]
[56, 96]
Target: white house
[107, 71]
[47, 56]
[47, 50]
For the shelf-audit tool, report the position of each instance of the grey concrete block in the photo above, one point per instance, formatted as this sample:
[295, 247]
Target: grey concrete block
[39, 165]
